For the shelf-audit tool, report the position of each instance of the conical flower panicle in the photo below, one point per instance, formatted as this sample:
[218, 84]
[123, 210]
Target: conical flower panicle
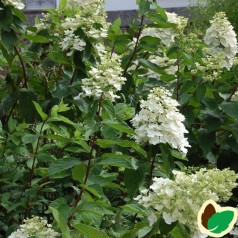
[159, 121]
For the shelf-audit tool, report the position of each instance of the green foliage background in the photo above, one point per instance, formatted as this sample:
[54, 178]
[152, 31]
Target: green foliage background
[204, 9]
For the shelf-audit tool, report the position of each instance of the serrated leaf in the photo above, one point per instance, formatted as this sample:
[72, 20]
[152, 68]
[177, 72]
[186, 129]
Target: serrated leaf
[62, 223]
[29, 138]
[17, 12]
[90, 231]
[38, 39]
[220, 221]
[231, 109]
[40, 111]
[26, 106]
[6, 18]
[78, 172]
[200, 92]
[134, 178]
[59, 57]
[9, 38]
[179, 231]
[62, 4]
[117, 160]
[149, 65]
[62, 165]
[121, 127]
[206, 140]
[135, 209]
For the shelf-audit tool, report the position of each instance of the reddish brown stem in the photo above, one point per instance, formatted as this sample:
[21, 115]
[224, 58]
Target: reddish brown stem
[25, 85]
[136, 45]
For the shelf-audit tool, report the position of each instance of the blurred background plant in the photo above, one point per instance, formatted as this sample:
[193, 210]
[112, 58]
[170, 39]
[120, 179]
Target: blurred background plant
[203, 10]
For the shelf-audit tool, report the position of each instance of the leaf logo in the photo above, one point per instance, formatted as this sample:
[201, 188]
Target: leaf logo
[216, 221]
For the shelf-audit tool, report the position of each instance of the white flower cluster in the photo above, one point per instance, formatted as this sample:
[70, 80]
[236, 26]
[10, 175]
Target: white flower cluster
[16, 3]
[91, 18]
[72, 42]
[181, 199]
[159, 121]
[37, 227]
[105, 77]
[167, 35]
[211, 66]
[221, 37]
[234, 97]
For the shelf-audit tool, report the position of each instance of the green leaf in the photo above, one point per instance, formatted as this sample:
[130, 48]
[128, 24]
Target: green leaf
[105, 143]
[134, 178]
[124, 112]
[206, 140]
[63, 107]
[220, 221]
[164, 228]
[132, 144]
[162, 12]
[40, 111]
[121, 127]
[179, 231]
[144, 6]
[150, 43]
[56, 137]
[61, 165]
[117, 160]
[61, 221]
[17, 12]
[29, 138]
[90, 231]
[26, 106]
[7, 55]
[91, 190]
[116, 26]
[9, 38]
[38, 39]
[160, 21]
[78, 172]
[149, 65]
[231, 109]
[123, 143]
[200, 92]
[135, 209]
[6, 18]
[62, 4]
[108, 111]
[59, 57]
[168, 160]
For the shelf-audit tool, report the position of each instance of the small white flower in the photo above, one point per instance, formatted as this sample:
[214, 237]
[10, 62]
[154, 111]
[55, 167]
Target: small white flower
[152, 219]
[16, 3]
[168, 218]
[37, 227]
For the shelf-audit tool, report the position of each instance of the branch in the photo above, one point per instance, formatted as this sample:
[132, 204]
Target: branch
[136, 45]
[32, 171]
[23, 68]
[233, 92]
[92, 144]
